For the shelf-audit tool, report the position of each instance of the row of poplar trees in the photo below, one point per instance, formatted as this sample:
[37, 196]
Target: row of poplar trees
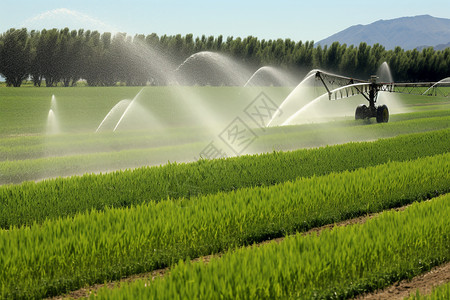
[63, 57]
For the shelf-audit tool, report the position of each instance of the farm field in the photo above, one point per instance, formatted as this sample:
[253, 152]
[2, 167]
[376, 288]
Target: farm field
[34, 202]
[59, 235]
[160, 129]
[340, 263]
[62, 254]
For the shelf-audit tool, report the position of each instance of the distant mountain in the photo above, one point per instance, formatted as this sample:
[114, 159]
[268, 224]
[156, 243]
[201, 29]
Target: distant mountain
[437, 47]
[407, 32]
[442, 46]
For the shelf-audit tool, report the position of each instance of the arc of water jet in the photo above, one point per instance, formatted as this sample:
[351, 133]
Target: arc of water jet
[194, 56]
[445, 80]
[111, 111]
[426, 91]
[52, 124]
[254, 74]
[310, 74]
[385, 70]
[251, 77]
[126, 110]
[223, 64]
[277, 77]
[328, 95]
[302, 109]
[53, 102]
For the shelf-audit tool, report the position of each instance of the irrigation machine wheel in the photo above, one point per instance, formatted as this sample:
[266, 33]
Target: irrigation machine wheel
[360, 112]
[382, 114]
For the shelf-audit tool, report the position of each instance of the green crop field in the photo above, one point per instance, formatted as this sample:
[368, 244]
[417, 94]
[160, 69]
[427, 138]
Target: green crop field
[170, 124]
[81, 109]
[152, 197]
[337, 264]
[34, 202]
[439, 293]
[64, 254]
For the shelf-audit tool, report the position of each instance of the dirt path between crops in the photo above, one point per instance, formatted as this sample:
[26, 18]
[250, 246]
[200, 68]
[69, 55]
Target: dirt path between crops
[425, 285]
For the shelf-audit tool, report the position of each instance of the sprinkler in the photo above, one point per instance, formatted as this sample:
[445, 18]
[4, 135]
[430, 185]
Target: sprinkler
[372, 111]
[347, 87]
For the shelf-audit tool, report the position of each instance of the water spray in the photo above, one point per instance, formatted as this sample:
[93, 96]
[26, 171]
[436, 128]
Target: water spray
[122, 105]
[340, 87]
[52, 122]
[126, 110]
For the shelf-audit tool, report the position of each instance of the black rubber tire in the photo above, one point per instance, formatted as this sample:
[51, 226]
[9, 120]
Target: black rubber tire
[360, 112]
[382, 114]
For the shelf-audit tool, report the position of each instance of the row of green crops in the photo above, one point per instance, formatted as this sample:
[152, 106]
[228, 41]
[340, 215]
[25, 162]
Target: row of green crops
[441, 292]
[34, 202]
[68, 253]
[337, 264]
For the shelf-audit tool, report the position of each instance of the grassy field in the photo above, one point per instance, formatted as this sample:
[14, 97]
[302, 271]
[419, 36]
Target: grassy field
[27, 203]
[170, 124]
[82, 109]
[337, 264]
[103, 245]
[62, 234]
[25, 111]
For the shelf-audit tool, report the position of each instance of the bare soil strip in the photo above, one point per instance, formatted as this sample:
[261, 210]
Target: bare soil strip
[438, 275]
[424, 283]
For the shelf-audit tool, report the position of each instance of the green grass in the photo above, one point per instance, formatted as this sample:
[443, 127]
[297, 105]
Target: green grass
[68, 253]
[65, 233]
[34, 202]
[176, 126]
[67, 155]
[24, 111]
[31, 147]
[35, 147]
[337, 264]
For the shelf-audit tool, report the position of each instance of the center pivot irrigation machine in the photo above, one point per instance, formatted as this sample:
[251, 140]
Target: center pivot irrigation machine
[347, 87]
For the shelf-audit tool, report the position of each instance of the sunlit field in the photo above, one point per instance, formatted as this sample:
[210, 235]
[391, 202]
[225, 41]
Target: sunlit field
[95, 129]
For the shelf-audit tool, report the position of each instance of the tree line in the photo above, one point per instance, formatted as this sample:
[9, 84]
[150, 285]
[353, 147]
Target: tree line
[102, 59]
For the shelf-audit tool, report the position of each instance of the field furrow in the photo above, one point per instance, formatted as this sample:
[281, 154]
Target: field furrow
[424, 284]
[441, 292]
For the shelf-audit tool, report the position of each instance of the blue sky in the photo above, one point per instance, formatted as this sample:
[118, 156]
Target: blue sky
[298, 20]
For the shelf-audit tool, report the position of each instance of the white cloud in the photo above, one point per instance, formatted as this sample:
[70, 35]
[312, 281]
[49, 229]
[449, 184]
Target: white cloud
[64, 17]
